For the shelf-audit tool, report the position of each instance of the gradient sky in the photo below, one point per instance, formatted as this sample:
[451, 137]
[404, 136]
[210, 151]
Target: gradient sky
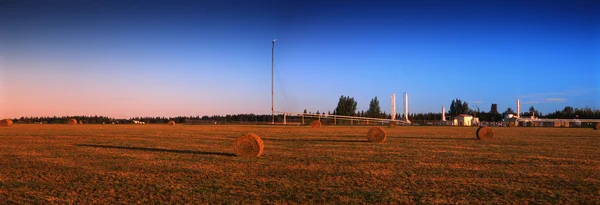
[181, 58]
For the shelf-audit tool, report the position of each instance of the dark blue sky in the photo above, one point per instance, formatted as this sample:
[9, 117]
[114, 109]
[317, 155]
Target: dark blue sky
[168, 58]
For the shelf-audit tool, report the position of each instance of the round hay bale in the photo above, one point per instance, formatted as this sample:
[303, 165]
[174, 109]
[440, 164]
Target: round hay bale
[6, 123]
[316, 124]
[485, 133]
[171, 122]
[511, 124]
[597, 126]
[72, 121]
[393, 124]
[376, 134]
[248, 146]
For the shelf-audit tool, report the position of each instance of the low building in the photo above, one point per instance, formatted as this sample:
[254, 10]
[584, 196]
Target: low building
[464, 120]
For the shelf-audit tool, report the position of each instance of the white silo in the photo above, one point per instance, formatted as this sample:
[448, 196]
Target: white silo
[393, 107]
[518, 108]
[406, 107]
[443, 114]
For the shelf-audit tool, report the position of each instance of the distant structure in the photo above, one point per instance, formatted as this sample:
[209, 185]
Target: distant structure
[406, 107]
[393, 106]
[463, 120]
[518, 108]
[443, 114]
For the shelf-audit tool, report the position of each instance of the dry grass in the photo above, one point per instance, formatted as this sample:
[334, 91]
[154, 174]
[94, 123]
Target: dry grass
[155, 164]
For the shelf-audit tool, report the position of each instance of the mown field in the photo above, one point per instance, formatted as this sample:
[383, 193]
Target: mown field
[156, 164]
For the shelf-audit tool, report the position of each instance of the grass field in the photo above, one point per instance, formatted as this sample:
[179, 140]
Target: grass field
[124, 164]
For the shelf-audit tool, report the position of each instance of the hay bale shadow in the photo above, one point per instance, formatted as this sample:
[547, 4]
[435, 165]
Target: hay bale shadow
[311, 140]
[435, 138]
[156, 149]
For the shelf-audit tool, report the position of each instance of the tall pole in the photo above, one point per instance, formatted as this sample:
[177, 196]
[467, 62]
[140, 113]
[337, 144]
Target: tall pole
[272, 82]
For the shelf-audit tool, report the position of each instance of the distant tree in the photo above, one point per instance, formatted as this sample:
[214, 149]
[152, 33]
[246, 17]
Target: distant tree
[494, 114]
[453, 110]
[531, 109]
[305, 111]
[346, 106]
[458, 107]
[533, 112]
[475, 112]
[374, 109]
[509, 111]
[318, 112]
[568, 110]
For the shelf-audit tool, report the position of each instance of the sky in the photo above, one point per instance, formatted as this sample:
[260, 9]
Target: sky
[186, 58]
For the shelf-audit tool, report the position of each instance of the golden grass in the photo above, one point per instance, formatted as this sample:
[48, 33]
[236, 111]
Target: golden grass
[155, 164]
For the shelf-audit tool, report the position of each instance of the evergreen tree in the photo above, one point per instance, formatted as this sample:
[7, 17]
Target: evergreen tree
[509, 111]
[458, 107]
[374, 109]
[346, 106]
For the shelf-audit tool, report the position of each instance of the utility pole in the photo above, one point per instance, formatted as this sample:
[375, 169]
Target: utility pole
[272, 82]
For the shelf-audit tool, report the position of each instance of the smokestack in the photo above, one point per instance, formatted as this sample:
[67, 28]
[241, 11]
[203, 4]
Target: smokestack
[518, 108]
[406, 106]
[393, 107]
[443, 114]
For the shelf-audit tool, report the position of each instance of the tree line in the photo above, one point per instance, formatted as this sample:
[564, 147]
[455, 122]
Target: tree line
[346, 106]
[152, 120]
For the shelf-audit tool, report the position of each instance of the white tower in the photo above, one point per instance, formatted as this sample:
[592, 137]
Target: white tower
[443, 114]
[393, 107]
[518, 108]
[406, 107]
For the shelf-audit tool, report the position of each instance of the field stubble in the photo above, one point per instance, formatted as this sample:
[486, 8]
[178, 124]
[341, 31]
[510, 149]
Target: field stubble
[185, 163]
